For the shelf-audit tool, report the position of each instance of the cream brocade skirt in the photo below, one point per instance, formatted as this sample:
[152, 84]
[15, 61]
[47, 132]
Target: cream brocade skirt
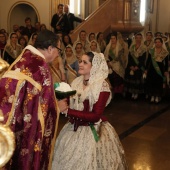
[79, 150]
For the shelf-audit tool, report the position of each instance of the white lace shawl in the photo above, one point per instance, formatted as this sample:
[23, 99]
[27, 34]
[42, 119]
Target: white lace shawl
[97, 84]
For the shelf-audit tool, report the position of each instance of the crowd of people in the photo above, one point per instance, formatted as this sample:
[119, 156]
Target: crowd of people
[129, 63]
[98, 70]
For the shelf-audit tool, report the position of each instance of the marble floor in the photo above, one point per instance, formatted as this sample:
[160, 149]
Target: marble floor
[144, 131]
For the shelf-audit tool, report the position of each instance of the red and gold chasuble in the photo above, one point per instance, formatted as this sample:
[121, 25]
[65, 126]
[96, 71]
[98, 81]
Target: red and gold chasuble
[28, 104]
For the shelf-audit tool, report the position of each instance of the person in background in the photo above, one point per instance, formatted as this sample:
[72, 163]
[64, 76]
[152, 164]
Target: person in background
[158, 35]
[57, 70]
[26, 37]
[2, 31]
[71, 18]
[59, 20]
[116, 55]
[2, 43]
[43, 27]
[12, 49]
[29, 105]
[29, 29]
[60, 34]
[82, 37]
[134, 72]
[32, 39]
[71, 64]
[92, 36]
[21, 29]
[66, 39]
[37, 27]
[149, 42]
[101, 41]
[15, 28]
[157, 70]
[94, 46]
[79, 51]
[5, 33]
[88, 141]
[22, 41]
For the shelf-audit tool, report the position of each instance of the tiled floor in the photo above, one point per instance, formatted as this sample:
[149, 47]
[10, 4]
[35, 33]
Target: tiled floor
[144, 130]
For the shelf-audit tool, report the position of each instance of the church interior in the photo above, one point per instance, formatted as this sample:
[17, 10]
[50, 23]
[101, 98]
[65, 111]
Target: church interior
[143, 127]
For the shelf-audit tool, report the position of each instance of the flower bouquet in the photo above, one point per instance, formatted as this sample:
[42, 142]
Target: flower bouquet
[63, 90]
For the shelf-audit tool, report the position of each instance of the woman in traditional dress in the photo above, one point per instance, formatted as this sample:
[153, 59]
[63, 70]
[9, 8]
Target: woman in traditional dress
[88, 141]
[71, 64]
[101, 42]
[82, 37]
[94, 46]
[12, 49]
[2, 43]
[32, 39]
[134, 82]
[92, 36]
[43, 27]
[78, 50]
[57, 68]
[157, 70]
[149, 42]
[22, 41]
[116, 55]
[66, 39]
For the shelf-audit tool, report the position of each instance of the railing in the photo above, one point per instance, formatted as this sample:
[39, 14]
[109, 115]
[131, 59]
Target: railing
[98, 21]
[112, 15]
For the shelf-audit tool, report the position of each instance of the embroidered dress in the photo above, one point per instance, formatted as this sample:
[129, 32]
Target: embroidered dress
[117, 57]
[28, 104]
[156, 65]
[71, 64]
[134, 82]
[10, 52]
[88, 141]
[57, 69]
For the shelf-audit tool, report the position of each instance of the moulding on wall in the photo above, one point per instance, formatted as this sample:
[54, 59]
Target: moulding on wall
[18, 3]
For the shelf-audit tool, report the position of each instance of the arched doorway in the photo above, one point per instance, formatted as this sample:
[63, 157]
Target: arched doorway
[19, 12]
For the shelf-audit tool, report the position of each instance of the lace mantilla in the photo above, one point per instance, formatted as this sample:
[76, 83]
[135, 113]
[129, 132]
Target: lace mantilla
[97, 84]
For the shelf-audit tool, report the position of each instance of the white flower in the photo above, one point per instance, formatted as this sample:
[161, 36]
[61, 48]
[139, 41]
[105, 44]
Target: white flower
[11, 98]
[47, 82]
[35, 91]
[27, 118]
[64, 87]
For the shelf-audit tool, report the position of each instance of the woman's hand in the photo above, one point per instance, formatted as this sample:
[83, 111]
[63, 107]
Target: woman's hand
[63, 105]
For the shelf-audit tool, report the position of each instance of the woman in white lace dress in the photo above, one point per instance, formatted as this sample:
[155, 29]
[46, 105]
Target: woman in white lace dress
[88, 141]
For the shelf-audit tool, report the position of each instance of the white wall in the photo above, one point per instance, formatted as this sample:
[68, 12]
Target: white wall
[160, 17]
[164, 16]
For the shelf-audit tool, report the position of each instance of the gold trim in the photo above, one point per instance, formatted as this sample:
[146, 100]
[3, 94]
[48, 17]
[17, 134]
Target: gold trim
[20, 76]
[54, 72]
[41, 118]
[11, 114]
[73, 72]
